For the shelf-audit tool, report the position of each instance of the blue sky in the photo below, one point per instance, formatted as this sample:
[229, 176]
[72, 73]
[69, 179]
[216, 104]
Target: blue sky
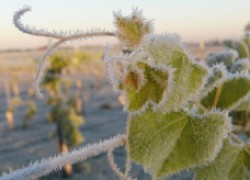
[194, 20]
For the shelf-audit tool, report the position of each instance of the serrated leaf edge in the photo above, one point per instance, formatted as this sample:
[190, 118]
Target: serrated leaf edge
[224, 71]
[156, 106]
[227, 130]
[229, 77]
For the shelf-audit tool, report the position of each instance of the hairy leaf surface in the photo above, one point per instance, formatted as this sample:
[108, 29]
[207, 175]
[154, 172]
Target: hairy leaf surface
[217, 72]
[188, 79]
[166, 143]
[131, 29]
[244, 106]
[228, 93]
[227, 57]
[152, 91]
[232, 163]
[243, 50]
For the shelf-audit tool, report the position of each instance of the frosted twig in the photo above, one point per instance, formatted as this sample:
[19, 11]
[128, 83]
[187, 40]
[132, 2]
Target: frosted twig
[46, 166]
[128, 165]
[70, 35]
[115, 168]
[26, 29]
[113, 165]
[40, 69]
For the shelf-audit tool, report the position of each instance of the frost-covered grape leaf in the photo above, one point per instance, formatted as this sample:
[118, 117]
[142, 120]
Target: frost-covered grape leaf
[166, 143]
[243, 50]
[241, 47]
[246, 40]
[228, 93]
[217, 73]
[152, 90]
[188, 76]
[131, 29]
[170, 76]
[242, 65]
[227, 57]
[244, 106]
[232, 163]
[188, 79]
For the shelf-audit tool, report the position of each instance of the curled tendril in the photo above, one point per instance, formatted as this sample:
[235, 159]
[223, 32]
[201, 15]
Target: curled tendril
[62, 37]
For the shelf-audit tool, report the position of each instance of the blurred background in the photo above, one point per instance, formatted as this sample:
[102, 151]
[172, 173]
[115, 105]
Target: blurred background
[79, 106]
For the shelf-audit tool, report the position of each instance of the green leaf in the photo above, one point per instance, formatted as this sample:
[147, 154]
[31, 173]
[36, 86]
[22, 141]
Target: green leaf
[241, 47]
[242, 65]
[161, 74]
[166, 143]
[217, 73]
[244, 105]
[228, 93]
[70, 124]
[131, 29]
[243, 50]
[232, 163]
[188, 78]
[156, 82]
[246, 40]
[227, 57]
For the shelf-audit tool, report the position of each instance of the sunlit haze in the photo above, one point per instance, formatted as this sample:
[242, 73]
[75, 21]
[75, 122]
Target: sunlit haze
[194, 20]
